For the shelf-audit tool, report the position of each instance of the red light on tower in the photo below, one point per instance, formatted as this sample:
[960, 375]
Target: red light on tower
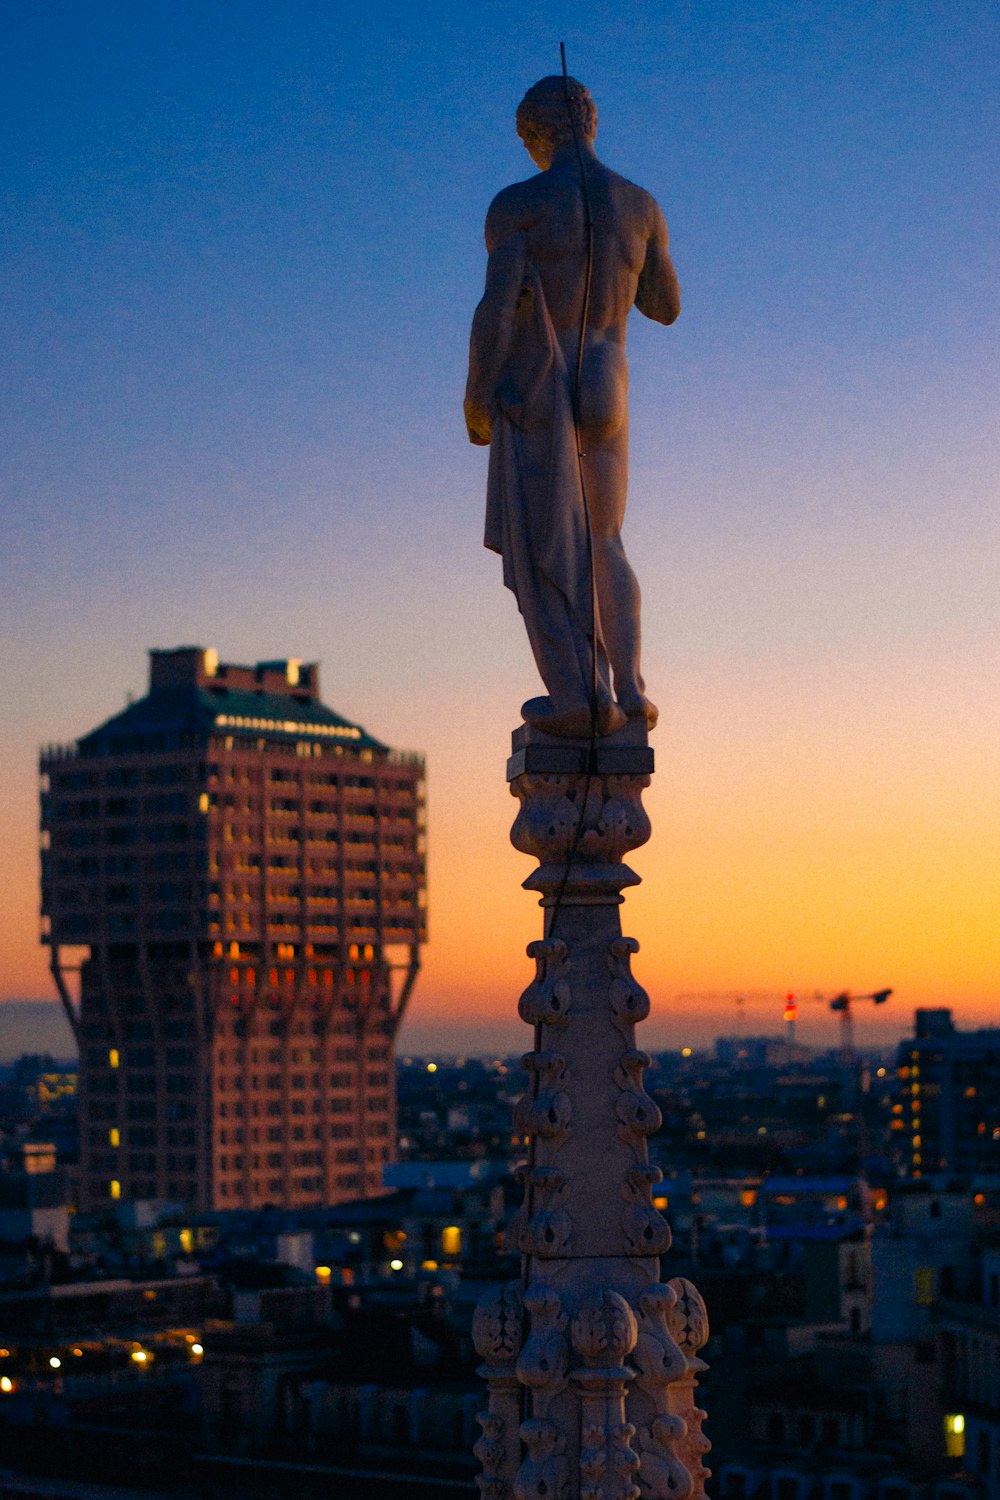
[791, 1015]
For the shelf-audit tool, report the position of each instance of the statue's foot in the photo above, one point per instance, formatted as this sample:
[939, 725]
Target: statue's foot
[573, 723]
[640, 707]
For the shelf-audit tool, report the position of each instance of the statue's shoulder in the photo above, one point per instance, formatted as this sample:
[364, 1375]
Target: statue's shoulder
[514, 209]
[635, 197]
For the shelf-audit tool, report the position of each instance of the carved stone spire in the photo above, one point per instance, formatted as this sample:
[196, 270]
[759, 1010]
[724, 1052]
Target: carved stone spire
[608, 1356]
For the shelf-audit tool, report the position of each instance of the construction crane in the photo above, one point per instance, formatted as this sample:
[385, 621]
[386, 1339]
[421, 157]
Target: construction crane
[844, 1005]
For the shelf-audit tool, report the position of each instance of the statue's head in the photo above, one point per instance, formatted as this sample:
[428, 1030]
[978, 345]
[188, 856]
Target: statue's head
[543, 118]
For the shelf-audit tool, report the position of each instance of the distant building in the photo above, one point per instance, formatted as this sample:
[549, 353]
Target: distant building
[947, 1114]
[35, 1200]
[239, 874]
[970, 1340]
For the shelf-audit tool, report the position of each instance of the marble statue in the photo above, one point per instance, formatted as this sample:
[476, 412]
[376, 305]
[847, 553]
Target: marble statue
[520, 401]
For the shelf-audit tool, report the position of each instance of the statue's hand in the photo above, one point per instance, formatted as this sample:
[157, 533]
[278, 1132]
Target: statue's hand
[478, 422]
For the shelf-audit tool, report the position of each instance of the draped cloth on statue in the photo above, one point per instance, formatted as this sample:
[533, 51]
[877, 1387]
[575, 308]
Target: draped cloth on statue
[535, 514]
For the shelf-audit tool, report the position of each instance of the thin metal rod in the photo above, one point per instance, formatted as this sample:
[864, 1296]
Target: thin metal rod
[588, 228]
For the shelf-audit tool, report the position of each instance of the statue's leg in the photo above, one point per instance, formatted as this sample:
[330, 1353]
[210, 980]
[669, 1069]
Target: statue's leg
[618, 592]
[562, 652]
[617, 588]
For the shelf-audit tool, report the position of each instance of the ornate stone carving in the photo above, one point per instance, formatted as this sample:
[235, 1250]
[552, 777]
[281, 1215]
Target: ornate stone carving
[545, 1357]
[662, 1476]
[688, 1323]
[688, 1319]
[608, 1462]
[645, 1229]
[545, 1111]
[614, 819]
[658, 1358]
[544, 1474]
[498, 1325]
[604, 1333]
[497, 1331]
[660, 1362]
[637, 1112]
[491, 1450]
[541, 1225]
[546, 1000]
[629, 1001]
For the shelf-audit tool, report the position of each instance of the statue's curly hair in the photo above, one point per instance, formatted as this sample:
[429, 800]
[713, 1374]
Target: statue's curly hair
[542, 113]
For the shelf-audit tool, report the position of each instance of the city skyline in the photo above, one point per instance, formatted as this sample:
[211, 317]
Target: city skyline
[239, 285]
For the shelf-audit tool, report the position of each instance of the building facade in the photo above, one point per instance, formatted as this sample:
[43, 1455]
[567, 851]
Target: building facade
[237, 874]
[947, 1113]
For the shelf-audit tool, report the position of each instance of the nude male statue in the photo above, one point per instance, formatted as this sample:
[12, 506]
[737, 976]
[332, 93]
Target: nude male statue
[519, 401]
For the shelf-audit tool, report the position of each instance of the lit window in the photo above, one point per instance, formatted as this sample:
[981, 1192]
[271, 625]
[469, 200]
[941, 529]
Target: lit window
[451, 1240]
[115, 1136]
[116, 1188]
[954, 1435]
[113, 1057]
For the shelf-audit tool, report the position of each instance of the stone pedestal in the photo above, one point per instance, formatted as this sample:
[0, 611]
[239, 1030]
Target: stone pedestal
[590, 1359]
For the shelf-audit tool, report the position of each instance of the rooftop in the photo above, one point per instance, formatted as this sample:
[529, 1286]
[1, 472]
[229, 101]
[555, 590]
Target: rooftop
[192, 692]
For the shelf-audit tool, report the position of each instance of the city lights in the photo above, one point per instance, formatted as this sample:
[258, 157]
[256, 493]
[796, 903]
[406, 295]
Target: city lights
[451, 1240]
[954, 1435]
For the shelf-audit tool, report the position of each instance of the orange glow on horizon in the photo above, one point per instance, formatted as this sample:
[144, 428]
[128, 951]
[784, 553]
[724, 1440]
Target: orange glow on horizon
[839, 846]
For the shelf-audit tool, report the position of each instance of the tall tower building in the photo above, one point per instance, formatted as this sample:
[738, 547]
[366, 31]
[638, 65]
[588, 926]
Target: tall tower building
[237, 874]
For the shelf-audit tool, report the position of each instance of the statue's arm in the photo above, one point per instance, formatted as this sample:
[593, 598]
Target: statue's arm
[493, 321]
[658, 295]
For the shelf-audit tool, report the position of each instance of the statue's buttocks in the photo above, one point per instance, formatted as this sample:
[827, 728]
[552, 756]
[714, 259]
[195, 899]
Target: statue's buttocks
[555, 530]
[603, 409]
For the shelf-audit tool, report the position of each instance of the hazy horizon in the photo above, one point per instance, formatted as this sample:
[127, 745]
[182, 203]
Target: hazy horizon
[41, 1026]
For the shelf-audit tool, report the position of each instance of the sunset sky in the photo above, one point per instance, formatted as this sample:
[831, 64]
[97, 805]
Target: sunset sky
[242, 246]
